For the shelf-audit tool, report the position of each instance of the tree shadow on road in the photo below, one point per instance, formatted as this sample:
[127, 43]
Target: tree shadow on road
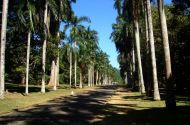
[92, 109]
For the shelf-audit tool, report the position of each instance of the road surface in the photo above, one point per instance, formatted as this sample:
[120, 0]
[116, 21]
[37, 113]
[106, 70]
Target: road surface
[83, 109]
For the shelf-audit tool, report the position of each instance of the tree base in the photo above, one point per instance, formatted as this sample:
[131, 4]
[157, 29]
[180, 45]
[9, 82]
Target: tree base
[170, 105]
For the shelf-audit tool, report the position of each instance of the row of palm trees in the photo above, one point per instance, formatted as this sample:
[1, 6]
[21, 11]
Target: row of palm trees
[127, 32]
[41, 20]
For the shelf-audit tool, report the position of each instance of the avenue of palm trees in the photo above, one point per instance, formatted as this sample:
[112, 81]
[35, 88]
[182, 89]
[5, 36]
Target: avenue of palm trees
[43, 53]
[134, 30]
[35, 51]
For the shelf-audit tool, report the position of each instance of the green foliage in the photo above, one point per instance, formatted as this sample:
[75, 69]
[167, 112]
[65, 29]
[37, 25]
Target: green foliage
[25, 16]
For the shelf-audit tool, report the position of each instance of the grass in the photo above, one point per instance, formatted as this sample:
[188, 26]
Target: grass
[130, 108]
[15, 98]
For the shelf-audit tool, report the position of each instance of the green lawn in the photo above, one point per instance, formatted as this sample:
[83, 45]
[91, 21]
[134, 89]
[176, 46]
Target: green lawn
[15, 98]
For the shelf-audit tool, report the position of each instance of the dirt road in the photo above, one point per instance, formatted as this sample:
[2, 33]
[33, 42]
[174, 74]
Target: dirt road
[74, 110]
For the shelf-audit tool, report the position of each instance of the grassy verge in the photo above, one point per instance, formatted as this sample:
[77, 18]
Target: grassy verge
[130, 108]
[16, 99]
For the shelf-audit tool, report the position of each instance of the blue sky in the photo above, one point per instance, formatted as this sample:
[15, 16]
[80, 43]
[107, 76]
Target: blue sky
[102, 15]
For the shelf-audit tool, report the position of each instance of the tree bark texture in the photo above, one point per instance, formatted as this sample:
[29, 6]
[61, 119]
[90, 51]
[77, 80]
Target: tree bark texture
[170, 97]
[3, 43]
[152, 51]
[27, 62]
[44, 49]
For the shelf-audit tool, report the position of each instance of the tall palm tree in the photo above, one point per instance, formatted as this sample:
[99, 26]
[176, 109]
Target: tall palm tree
[170, 98]
[128, 11]
[133, 64]
[67, 54]
[48, 5]
[137, 41]
[31, 13]
[70, 58]
[27, 61]
[149, 89]
[27, 16]
[44, 48]
[75, 47]
[3, 43]
[65, 13]
[87, 44]
[75, 25]
[152, 51]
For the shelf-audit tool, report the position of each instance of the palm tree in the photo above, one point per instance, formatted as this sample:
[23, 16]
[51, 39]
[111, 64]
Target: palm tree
[149, 89]
[64, 14]
[27, 62]
[26, 12]
[133, 64]
[31, 13]
[170, 98]
[70, 69]
[3, 43]
[75, 25]
[152, 50]
[98, 63]
[75, 47]
[53, 7]
[44, 48]
[87, 44]
[70, 50]
[137, 41]
[70, 58]
[92, 40]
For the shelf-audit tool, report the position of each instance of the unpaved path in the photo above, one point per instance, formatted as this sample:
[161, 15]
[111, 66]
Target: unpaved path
[74, 110]
[108, 105]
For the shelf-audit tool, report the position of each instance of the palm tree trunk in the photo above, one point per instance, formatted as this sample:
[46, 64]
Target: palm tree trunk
[27, 62]
[52, 75]
[88, 76]
[133, 65]
[80, 86]
[92, 75]
[148, 81]
[57, 78]
[3, 43]
[44, 49]
[152, 49]
[170, 97]
[96, 77]
[137, 40]
[75, 67]
[99, 78]
[102, 79]
[57, 59]
[70, 78]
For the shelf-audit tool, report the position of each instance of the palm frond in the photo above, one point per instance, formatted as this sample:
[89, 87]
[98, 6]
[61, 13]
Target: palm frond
[53, 7]
[83, 19]
[117, 6]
